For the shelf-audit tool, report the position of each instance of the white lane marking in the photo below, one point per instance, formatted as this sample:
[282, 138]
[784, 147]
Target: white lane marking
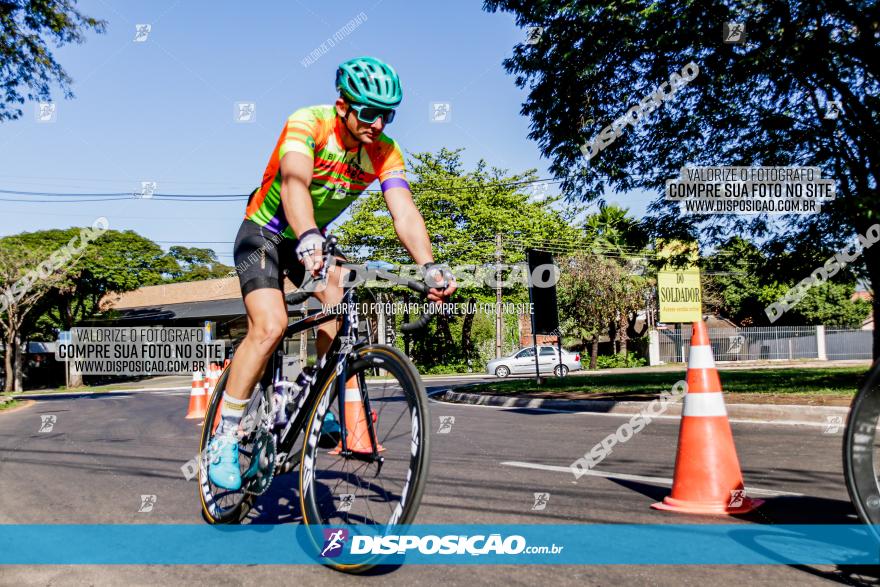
[621, 415]
[704, 404]
[627, 477]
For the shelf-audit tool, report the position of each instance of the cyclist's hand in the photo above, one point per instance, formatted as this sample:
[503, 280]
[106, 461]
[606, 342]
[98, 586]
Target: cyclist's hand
[310, 251]
[441, 281]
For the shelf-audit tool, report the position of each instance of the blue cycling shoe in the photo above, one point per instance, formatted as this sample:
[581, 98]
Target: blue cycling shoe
[331, 432]
[223, 468]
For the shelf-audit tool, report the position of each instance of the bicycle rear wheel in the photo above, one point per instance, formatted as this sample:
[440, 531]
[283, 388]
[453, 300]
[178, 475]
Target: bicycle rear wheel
[861, 449]
[344, 490]
[222, 506]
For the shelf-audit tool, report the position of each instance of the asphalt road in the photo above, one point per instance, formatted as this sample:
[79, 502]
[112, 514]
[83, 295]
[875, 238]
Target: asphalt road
[104, 452]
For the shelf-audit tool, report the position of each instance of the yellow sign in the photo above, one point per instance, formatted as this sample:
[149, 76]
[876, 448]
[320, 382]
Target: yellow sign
[681, 297]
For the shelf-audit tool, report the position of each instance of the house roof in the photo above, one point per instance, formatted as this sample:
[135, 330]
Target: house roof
[209, 298]
[174, 293]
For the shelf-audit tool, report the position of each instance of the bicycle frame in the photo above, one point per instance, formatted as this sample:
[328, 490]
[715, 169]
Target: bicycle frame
[340, 349]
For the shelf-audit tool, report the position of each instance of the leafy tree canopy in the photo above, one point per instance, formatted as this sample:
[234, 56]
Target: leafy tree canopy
[27, 67]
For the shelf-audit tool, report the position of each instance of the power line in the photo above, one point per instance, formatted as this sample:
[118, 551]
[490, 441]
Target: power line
[418, 187]
[62, 201]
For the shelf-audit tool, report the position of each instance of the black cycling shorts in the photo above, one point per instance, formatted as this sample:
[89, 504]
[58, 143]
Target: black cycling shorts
[263, 259]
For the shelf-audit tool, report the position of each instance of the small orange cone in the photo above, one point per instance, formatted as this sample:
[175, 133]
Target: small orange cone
[358, 434]
[210, 383]
[707, 476]
[198, 398]
[211, 379]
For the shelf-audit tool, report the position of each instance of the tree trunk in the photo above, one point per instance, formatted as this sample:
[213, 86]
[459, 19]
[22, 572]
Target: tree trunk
[8, 363]
[67, 319]
[76, 378]
[19, 362]
[872, 262]
[467, 345]
[406, 338]
[594, 351]
[622, 334]
[612, 336]
[445, 334]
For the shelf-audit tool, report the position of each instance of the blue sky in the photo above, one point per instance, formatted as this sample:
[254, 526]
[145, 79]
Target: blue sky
[162, 110]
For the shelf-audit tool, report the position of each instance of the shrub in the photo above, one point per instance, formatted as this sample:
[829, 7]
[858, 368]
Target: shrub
[616, 361]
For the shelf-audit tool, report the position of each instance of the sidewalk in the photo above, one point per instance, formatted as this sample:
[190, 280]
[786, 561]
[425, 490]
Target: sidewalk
[796, 414]
[731, 366]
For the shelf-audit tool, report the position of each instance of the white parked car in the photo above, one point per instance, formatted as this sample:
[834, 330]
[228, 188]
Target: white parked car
[523, 361]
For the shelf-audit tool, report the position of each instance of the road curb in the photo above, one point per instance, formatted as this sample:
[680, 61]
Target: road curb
[791, 414]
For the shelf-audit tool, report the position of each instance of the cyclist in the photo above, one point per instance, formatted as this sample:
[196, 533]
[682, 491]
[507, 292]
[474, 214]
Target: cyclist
[324, 159]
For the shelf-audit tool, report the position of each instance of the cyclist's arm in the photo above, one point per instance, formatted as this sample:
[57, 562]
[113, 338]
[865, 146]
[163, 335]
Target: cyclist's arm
[410, 228]
[409, 224]
[296, 176]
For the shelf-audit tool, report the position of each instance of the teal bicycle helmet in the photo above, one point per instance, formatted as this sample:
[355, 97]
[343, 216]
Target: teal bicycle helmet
[369, 81]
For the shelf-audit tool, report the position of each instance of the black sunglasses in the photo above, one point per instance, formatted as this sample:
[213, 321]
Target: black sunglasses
[369, 114]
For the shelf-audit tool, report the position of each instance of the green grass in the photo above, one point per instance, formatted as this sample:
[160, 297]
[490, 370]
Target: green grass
[794, 381]
[8, 404]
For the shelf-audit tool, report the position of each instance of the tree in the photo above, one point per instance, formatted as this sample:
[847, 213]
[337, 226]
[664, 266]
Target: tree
[27, 66]
[758, 103]
[24, 284]
[118, 261]
[614, 233]
[745, 281]
[109, 261]
[587, 298]
[195, 264]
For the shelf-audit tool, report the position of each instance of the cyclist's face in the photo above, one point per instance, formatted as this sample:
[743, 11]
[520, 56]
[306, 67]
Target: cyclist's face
[362, 131]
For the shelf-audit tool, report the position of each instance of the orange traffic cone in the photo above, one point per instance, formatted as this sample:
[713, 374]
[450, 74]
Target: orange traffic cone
[211, 378]
[198, 399]
[358, 434]
[707, 477]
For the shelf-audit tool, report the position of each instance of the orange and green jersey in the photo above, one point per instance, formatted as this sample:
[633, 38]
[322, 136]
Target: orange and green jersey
[339, 175]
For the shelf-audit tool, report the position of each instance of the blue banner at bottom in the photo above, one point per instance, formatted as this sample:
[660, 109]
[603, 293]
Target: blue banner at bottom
[601, 544]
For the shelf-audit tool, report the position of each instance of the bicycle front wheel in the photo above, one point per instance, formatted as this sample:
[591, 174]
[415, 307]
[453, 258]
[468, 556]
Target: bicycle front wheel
[861, 449]
[336, 489]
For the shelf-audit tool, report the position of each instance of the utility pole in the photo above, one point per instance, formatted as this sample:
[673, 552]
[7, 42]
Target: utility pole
[499, 324]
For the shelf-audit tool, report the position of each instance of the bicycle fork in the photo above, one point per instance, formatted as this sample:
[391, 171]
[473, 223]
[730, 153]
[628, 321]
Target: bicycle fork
[350, 422]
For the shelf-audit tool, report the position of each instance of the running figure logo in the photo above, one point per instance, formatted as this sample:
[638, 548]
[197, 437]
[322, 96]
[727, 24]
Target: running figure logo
[46, 112]
[441, 112]
[147, 503]
[47, 422]
[734, 32]
[533, 34]
[833, 109]
[541, 500]
[334, 540]
[833, 424]
[737, 497]
[346, 500]
[245, 112]
[141, 32]
[446, 423]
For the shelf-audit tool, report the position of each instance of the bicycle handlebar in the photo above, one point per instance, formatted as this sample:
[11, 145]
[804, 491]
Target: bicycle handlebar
[419, 287]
